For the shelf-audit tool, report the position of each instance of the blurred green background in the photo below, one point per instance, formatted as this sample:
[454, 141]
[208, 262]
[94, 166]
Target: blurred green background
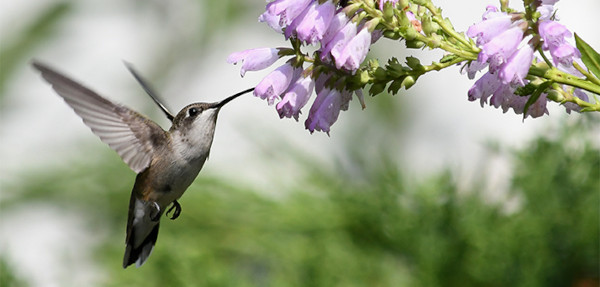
[354, 214]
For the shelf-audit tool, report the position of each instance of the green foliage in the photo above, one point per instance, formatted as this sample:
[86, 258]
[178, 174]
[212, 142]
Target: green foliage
[379, 229]
[589, 56]
[7, 276]
[15, 49]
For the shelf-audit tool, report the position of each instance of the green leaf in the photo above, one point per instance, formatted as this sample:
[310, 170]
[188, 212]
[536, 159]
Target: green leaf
[589, 56]
[448, 58]
[526, 90]
[414, 63]
[395, 86]
[376, 89]
[535, 96]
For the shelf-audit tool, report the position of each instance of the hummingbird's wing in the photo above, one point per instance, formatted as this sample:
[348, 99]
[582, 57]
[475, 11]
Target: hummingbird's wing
[149, 91]
[134, 137]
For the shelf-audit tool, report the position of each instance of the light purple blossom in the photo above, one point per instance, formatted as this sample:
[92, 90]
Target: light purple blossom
[517, 66]
[546, 9]
[295, 98]
[324, 111]
[472, 67]
[490, 12]
[290, 30]
[254, 59]
[275, 83]
[338, 21]
[272, 21]
[538, 108]
[287, 10]
[553, 33]
[339, 41]
[564, 54]
[382, 3]
[503, 97]
[355, 51]
[501, 47]
[314, 22]
[483, 88]
[485, 30]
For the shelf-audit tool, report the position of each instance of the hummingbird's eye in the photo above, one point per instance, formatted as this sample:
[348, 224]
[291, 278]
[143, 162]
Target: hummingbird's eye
[193, 112]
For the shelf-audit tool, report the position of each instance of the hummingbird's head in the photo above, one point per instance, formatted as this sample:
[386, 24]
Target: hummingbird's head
[197, 121]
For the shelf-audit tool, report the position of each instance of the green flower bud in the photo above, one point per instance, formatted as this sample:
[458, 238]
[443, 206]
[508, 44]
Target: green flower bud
[391, 34]
[408, 82]
[429, 26]
[556, 96]
[388, 11]
[414, 44]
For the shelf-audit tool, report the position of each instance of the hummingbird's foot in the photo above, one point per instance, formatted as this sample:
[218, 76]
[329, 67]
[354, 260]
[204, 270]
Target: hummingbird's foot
[177, 207]
[155, 212]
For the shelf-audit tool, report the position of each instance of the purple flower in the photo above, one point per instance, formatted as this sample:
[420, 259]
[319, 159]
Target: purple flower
[287, 10]
[355, 51]
[538, 108]
[553, 33]
[503, 97]
[490, 12]
[563, 54]
[295, 98]
[339, 41]
[501, 47]
[546, 9]
[346, 97]
[485, 30]
[254, 59]
[338, 21]
[324, 111]
[313, 23]
[510, 100]
[472, 67]
[516, 68]
[275, 83]
[272, 21]
[382, 2]
[484, 87]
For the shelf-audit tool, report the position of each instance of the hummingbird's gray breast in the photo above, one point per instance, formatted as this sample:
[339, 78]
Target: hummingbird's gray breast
[174, 170]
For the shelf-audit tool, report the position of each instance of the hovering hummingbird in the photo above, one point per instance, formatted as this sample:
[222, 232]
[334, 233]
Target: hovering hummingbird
[166, 162]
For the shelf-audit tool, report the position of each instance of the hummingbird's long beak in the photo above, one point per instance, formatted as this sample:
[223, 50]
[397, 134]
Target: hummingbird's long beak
[227, 100]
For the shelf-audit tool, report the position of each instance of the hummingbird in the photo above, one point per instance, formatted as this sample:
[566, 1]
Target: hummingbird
[166, 162]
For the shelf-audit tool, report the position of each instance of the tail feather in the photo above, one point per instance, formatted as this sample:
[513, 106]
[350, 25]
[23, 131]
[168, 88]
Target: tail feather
[142, 231]
[139, 254]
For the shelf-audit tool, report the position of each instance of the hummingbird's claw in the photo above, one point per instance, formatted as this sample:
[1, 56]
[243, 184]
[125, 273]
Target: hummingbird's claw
[177, 207]
[155, 215]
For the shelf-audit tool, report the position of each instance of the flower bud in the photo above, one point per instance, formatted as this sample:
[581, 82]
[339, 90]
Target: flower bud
[555, 96]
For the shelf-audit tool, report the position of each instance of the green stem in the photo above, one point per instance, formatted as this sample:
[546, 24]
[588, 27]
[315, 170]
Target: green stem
[589, 76]
[437, 17]
[564, 78]
[544, 57]
[440, 66]
[467, 55]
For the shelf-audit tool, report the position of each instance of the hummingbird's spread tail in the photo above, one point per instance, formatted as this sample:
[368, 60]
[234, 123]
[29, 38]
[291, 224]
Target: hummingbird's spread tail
[142, 231]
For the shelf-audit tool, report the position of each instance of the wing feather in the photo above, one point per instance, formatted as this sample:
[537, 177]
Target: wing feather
[134, 137]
